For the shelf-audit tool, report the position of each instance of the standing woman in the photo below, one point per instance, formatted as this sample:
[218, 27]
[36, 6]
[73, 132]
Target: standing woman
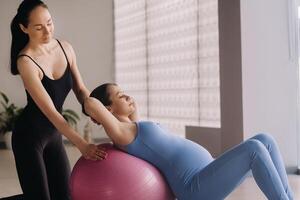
[49, 71]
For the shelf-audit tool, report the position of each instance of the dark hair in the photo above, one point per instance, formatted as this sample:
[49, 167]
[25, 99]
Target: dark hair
[101, 93]
[19, 38]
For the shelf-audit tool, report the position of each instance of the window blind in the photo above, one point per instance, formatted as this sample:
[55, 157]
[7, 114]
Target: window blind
[167, 57]
[130, 50]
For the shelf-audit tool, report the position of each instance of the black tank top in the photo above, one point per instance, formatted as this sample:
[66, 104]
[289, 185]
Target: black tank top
[58, 89]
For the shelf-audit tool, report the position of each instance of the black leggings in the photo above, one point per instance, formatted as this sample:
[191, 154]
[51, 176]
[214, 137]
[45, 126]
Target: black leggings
[42, 165]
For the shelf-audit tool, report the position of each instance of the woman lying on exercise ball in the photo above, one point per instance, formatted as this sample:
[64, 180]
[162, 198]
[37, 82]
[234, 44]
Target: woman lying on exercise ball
[189, 169]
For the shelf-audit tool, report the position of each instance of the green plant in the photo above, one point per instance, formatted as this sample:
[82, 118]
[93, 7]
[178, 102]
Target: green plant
[8, 115]
[71, 117]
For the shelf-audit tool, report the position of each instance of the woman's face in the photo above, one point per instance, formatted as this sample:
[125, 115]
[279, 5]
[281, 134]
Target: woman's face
[122, 104]
[40, 27]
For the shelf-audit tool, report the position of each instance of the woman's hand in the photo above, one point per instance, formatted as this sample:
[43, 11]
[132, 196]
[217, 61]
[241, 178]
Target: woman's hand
[92, 152]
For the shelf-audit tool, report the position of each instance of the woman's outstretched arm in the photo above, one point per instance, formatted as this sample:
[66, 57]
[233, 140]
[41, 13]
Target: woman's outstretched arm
[32, 83]
[79, 87]
[121, 133]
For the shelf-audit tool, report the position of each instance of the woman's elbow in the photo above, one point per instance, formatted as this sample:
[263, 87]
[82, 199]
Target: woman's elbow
[87, 107]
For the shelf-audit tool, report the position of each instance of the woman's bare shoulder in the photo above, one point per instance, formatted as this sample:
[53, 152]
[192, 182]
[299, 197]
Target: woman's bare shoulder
[66, 44]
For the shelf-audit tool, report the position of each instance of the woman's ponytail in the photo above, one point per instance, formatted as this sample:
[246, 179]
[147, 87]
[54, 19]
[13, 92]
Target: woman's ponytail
[19, 38]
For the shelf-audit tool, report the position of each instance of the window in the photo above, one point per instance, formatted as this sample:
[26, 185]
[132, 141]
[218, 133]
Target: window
[167, 57]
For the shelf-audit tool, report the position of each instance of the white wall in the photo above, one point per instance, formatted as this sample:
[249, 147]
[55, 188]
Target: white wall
[269, 75]
[87, 25]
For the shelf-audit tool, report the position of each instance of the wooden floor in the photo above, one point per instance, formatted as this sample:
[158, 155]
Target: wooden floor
[9, 184]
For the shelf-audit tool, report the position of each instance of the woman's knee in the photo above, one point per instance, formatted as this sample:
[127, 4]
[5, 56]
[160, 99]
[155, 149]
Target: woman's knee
[266, 139]
[255, 146]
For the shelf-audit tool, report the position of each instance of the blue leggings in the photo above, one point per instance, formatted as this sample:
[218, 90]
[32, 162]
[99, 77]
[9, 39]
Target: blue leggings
[259, 154]
[193, 174]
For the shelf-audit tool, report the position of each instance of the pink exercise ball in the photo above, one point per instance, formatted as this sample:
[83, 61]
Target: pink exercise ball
[119, 177]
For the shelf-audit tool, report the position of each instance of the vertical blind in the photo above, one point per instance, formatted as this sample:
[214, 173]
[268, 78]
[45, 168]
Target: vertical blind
[166, 57]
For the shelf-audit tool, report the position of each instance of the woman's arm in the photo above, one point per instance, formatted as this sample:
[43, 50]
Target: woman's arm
[30, 75]
[79, 87]
[122, 133]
